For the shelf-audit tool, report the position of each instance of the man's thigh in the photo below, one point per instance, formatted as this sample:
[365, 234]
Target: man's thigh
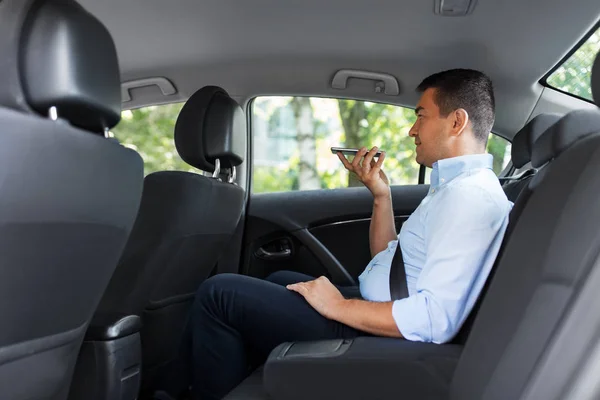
[267, 314]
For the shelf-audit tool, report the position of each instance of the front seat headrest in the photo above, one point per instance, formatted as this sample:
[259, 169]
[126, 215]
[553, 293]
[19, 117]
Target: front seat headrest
[523, 141]
[67, 60]
[596, 80]
[211, 126]
[562, 135]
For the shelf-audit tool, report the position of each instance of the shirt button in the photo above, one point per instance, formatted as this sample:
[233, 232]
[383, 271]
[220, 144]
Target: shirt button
[442, 180]
[432, 190]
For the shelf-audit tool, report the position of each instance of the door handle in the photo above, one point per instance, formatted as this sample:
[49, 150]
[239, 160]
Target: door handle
[273, 255]
[275, 250]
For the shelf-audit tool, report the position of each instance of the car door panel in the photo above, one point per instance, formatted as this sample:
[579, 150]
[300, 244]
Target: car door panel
[348, 241]
[322, 232]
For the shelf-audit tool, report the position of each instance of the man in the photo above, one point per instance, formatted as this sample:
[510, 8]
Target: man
[448, 244]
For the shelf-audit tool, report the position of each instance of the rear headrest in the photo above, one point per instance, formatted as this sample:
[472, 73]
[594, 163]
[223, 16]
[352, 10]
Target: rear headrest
[596, 80]
[560, 136]
[211, 126]
[60, 56]
[522, 144]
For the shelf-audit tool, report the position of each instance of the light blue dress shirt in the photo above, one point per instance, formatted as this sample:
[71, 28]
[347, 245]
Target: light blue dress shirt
[449, 245]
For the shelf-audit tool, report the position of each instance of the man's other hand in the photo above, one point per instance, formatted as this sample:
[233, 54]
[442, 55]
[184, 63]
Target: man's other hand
[321, 294]
[368, 171]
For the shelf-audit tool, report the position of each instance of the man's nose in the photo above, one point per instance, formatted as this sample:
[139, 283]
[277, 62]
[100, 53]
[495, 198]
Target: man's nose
[413, 130]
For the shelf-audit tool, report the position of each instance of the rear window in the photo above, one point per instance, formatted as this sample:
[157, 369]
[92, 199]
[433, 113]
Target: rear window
[574, 75]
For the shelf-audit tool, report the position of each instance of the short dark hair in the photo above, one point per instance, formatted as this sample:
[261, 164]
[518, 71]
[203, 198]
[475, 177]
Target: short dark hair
[468, 89]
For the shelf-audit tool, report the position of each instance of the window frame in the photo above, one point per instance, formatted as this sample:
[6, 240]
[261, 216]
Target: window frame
[544, 80]
[508, 169]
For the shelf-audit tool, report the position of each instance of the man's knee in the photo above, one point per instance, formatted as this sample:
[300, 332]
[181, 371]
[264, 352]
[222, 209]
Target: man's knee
[225, 294]
[217, 283]
[278, 277]
[215, 286]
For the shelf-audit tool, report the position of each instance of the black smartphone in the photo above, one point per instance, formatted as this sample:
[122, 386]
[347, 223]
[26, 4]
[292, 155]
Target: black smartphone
[349, 152]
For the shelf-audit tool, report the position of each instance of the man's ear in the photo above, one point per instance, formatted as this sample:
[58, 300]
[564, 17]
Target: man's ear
[460, 121]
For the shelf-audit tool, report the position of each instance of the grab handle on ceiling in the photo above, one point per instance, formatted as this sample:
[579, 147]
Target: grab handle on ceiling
[165, 86]
[386, 83]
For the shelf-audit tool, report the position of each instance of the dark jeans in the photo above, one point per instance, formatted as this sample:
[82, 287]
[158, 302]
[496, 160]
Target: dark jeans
[237, 320]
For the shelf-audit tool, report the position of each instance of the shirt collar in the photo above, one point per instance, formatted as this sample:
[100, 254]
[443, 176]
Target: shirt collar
[449, 168]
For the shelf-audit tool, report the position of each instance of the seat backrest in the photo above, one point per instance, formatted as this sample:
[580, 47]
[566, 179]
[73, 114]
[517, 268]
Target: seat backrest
[521, 148]
[68, 196]
[516, 192]
[546, 262]
[184, 224]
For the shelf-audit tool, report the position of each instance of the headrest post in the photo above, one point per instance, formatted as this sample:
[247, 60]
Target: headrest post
[232, 175]
[217, 171]
[53, 113]
[106, 132]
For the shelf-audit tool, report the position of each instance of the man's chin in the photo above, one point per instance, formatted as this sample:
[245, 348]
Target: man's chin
[423, 163]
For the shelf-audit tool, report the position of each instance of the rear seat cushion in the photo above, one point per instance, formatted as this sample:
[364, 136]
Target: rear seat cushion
[250, 389]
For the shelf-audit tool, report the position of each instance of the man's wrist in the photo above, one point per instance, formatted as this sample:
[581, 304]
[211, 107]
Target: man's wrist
[381, 198]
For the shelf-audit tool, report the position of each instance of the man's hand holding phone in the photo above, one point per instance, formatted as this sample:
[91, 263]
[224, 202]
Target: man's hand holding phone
[368, 170]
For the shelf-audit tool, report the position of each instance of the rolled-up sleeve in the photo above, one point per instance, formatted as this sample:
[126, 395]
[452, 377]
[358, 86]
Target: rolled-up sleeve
[461, 246]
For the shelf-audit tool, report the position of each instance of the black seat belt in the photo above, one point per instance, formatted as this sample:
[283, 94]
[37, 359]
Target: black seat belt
[519, 177]
[398, 286]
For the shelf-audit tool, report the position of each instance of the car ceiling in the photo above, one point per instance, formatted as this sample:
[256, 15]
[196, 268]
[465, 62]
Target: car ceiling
[293, 47]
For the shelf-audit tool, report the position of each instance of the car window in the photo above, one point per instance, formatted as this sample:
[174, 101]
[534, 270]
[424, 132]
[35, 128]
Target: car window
[292, 137]
[500, 149]
[575, 74]
[149, 131]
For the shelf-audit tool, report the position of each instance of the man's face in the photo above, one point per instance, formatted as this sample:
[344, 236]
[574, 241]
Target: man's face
[431, 131]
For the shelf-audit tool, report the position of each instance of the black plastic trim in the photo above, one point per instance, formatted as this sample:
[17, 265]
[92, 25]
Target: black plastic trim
[105, 327]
